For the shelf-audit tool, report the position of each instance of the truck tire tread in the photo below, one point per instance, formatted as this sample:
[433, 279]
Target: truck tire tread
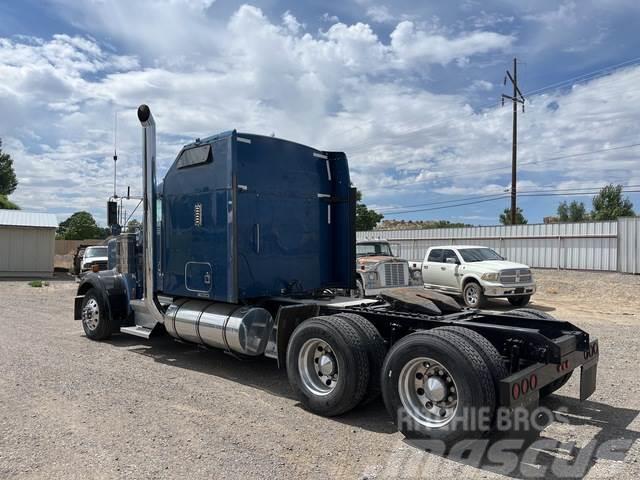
[485, 348]
[376, 352]
[345, 338]
[477, 381]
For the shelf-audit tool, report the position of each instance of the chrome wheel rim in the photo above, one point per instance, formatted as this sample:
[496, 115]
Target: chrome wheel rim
[428, 392]
[318, 367]
[91, 314]
[471, 295]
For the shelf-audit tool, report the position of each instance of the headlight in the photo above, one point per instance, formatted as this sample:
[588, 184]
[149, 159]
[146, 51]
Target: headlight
[491, 277]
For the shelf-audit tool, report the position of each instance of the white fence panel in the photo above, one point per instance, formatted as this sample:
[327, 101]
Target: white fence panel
[628, 245]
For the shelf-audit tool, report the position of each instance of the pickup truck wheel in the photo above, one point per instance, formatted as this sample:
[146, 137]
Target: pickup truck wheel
[519, 301]
[358, 292]
[96, 321]
[327, 365]
[376, 351]
[437, 386]
[473, 295]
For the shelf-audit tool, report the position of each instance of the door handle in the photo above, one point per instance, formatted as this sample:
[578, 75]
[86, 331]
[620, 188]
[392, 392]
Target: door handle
[443, 268]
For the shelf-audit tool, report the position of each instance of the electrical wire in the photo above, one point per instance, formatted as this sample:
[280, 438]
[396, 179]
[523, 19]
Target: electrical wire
[525, 193]
[559, 191]
[508, 167]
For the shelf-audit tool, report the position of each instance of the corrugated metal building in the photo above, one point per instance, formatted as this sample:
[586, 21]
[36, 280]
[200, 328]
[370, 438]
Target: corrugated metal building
[608, 246]
[27, 243]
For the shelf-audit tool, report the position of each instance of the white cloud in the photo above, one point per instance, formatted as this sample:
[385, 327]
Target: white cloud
[339, 88]
[481, 85]
[380, 14]
[412, 44]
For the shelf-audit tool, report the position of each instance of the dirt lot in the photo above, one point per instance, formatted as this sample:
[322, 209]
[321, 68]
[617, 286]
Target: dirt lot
[131, 408]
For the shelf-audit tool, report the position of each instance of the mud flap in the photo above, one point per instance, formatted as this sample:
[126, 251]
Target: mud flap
[588, 375]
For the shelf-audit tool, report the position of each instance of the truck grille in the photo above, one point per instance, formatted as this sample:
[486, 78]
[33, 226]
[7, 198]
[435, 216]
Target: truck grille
[101, 265]
[394, 274]
[515, 276]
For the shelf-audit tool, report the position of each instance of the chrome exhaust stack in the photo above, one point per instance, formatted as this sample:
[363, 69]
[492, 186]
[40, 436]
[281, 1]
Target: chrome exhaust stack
[148, 311]
[235, 328]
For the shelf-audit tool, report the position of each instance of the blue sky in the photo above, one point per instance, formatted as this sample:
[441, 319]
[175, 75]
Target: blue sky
[409, 90]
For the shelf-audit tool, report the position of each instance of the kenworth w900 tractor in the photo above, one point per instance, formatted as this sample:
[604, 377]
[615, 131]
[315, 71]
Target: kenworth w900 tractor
[242, 245]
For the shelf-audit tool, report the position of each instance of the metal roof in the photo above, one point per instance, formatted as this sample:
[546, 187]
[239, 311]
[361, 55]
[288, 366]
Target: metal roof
[18, 218]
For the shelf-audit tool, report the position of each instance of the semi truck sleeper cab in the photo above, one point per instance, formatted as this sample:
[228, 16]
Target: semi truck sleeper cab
[242, 245]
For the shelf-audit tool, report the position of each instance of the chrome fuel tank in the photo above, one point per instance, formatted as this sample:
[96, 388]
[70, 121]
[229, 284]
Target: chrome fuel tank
[240, 328]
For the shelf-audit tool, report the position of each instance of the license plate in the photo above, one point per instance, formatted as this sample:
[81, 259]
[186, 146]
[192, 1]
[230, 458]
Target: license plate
[520, 290]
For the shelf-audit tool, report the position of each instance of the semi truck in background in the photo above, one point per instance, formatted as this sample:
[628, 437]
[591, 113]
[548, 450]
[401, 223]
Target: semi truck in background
[242, 244]
[379, 268]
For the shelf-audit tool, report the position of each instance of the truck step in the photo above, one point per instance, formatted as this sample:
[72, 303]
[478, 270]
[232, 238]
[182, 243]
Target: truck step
[137, 331]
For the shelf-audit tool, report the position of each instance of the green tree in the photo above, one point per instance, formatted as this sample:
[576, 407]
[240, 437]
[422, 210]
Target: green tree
[572, 212]
[505, 217]
[366, 219]
[133, 225]
[80, 226]
[609, 204]
[6, 204]
[8, 179]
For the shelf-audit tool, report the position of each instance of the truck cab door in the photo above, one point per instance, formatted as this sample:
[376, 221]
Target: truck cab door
[431, 267]
[450, 269]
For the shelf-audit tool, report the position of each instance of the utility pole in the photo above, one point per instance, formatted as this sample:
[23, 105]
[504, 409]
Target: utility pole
[515, 99]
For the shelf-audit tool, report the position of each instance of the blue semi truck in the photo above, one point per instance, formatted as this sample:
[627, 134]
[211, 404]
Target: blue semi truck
[243, 245]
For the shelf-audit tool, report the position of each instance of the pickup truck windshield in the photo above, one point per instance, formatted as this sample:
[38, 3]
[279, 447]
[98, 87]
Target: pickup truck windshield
[95, 252]
[364, 249]
[478, 254]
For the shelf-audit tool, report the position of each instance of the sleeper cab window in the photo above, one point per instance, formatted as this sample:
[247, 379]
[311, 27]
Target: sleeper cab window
[195, 156]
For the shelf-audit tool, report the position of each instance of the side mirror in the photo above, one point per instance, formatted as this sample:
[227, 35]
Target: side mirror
[452, 260]
[112, 213]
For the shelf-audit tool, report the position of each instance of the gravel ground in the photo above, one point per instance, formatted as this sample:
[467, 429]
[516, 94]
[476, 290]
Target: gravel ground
[131, 408]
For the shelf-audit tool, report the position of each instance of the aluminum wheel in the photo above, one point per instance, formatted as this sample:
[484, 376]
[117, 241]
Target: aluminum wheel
[91, 314]
[472, 294]
[428, 392]
[318, 367]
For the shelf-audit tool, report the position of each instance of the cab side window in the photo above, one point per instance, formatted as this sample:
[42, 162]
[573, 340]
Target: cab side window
[435, 255]
[446, 254]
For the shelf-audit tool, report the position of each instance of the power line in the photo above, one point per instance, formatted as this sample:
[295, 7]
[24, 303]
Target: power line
[530, 162]
[532, 193]
[559, 191]
[451, 206]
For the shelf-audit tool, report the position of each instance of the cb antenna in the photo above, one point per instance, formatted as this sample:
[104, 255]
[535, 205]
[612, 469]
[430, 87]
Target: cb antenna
[115, 152]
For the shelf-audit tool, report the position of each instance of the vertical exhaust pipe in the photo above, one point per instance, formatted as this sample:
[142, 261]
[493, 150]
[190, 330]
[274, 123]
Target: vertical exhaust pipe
[148, 311]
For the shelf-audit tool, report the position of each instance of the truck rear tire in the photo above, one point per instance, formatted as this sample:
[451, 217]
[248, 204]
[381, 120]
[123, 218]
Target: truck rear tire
[327, 365]
[532, 313]
[376, 351]
[555, 385]
[485, 348]
[96, 320]
[473, 295]
[519, 301]
[437, 386]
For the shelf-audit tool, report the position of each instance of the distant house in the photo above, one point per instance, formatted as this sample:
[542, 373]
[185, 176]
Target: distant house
[27, 243]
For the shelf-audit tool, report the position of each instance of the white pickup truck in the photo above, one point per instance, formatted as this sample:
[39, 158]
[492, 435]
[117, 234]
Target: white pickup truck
[476, 273]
